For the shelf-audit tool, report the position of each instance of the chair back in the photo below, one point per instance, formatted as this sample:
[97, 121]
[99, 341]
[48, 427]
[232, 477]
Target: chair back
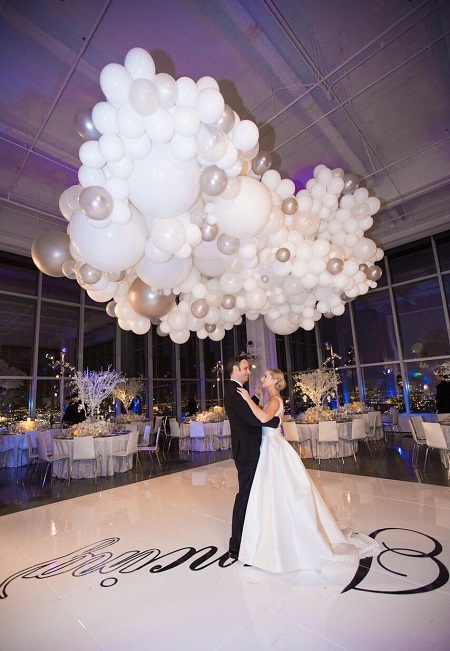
[42, 447]
[435, 436]
[83, 448]
[48, 438]
[290, 431]
[418, 427]
[358, 429]
[196, 430]
[156, 441]
[174, 428]
[132, 445]
[413, 430]
[328, 431]
[394, 413]
[441, 417]
[146, 435]
[30, 446]
[158, 422]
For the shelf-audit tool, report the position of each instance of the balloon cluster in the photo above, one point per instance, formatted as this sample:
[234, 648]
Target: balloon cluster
[179, 220]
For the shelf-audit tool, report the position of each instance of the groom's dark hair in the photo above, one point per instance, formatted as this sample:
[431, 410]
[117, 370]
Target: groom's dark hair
[235, 361]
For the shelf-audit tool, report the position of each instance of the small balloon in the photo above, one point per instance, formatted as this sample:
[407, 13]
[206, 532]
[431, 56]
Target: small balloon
[283, 254]
[262, 163]
[213, 181]
[335, 266]
[209, 232]
[328, 314]
[363, 267]
[351, 182]
[89, 275]
[228, 301]
[374, 273]
[210, 327]
[110, 308]
[96, 202]
[85, 127]
[227, 244]
[264, 278]
[68, 269]
[199, 308]
[289, 206]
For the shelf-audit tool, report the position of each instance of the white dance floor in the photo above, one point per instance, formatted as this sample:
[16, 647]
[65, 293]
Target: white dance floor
[140, 567]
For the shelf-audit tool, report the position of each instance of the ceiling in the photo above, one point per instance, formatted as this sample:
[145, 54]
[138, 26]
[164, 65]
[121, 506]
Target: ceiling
[356, 84]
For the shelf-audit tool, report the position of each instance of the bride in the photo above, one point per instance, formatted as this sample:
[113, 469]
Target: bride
[287, 525]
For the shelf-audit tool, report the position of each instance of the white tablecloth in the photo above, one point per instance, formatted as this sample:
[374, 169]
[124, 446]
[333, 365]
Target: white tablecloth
[19, 445]
[103, 445]
[311, 431]
[211, 429]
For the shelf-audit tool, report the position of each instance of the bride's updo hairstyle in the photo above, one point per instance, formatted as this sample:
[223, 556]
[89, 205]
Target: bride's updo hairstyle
[278, 376]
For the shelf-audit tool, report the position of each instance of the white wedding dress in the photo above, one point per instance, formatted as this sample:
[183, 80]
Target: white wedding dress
[288, 526]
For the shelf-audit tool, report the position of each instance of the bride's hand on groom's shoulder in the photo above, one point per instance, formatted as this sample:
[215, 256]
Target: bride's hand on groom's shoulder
[244, 393]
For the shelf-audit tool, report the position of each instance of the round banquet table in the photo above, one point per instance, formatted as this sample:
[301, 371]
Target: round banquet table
[196, 445]
[311, 431]
[103, 445]
[19, 446]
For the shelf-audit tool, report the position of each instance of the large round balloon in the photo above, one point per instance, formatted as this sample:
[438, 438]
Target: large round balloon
[248, 213]
[163, 186]
[148, 302]
[114, 248]
[168, 275]
[49, 252]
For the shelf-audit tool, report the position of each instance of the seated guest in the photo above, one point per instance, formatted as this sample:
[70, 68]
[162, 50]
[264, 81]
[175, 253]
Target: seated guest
[74, 412]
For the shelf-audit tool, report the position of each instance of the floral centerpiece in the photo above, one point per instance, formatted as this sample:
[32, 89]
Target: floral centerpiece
[28, 425]
[315, 385]
[355, 407]
[209, 416]
[98, 427]
[315, 414]
[131, 417]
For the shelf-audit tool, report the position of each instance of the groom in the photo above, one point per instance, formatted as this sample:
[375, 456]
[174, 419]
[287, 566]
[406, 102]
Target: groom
[245, 443]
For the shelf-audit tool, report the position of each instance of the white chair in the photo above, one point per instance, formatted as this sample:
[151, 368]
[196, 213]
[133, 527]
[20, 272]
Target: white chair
[417, 423]
[328, 433]
[175, 433]
[44, 456]
[435, 440]
[152, 449]
[441, 417]
[5, 452]
[84, 450]
[224, 435]
[197, 433]
[358, 433]
[131, 452]
[418, 442]
[32, 455]
[292, 436]
[145, 440]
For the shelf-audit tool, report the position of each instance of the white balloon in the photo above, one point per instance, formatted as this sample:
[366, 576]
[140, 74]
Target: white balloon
[90, 154]
[125, 244]
[144, 96]
[130, 123]
[164, 276]
[184, 149]
[163, 186]
[168, 235]
[159, 126]
[245, 135]
[168, 89]
[186, 121]
[89, 176]
[138, 147]
[187, 91]
[104, 118]
[111, 147]
[209, 105]
[248, 213]
[140, 64]
[115, 81]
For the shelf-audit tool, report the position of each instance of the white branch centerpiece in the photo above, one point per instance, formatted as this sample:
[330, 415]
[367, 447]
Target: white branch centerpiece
[126, 390]
[95, 386]
[316, 385]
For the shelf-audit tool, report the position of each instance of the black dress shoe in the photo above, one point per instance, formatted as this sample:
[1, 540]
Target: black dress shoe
[233, 555]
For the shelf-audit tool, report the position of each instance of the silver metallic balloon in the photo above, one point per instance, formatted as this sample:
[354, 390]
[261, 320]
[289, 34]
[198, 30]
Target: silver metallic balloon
[227, 244]
[199, 308]
[209, 232]
[110, 308]
[351, 182]
[213, 181]
[262, 163]
[89, 275]
[345, 298]
[374, 273]
[146, 302]
[49, 252]
[328, 314]
[264, 278]
[228, 301]
[160, 332]
[363, 267]
[115, 276]
[96, 202]
[289, 206]
[210, 327]
[283, 254]
[335, 266]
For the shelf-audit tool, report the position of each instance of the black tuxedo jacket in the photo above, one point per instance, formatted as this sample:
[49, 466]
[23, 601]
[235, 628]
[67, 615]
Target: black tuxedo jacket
[245, 427]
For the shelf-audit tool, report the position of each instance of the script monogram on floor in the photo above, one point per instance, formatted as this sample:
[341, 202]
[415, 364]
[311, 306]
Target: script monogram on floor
[94, 558]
